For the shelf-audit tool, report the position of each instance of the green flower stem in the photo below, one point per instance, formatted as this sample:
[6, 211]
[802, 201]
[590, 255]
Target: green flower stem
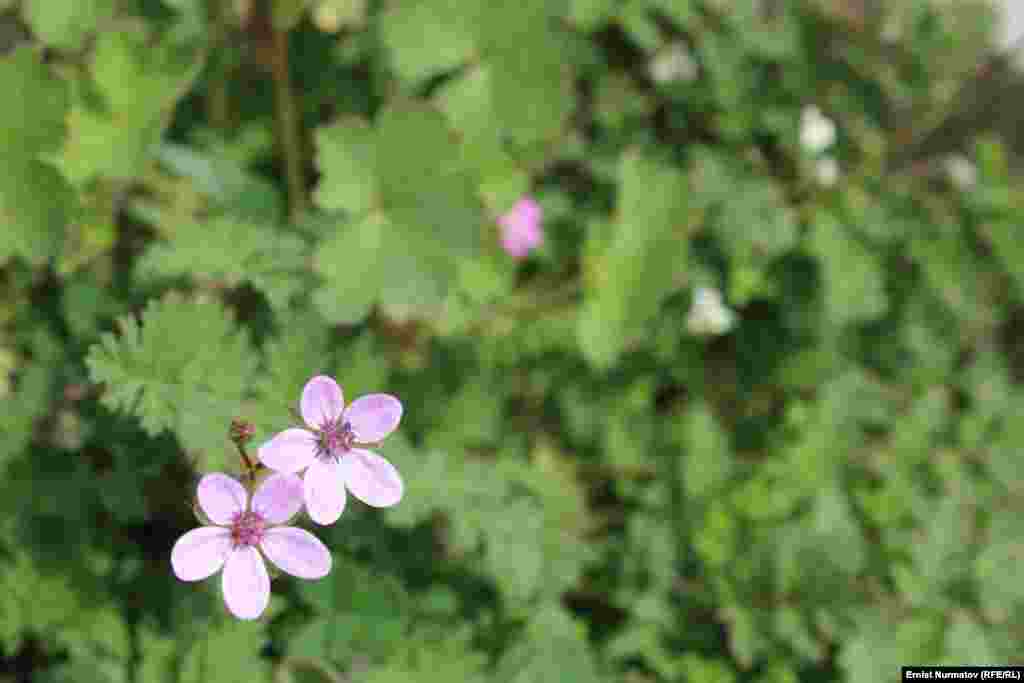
[288, 124]
[247, 463]
[218, 103]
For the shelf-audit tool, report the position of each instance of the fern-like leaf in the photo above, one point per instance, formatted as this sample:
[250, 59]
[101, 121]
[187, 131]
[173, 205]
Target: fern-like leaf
[184, 368]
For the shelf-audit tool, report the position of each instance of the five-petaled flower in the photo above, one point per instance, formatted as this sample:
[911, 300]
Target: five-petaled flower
[520, 228]
[332, 447]
[241, 533]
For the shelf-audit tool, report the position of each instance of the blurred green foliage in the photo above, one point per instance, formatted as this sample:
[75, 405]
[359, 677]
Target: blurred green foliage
[203, 204]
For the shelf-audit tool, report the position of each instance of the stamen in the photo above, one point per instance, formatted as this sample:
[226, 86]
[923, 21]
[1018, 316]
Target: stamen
[334, 440]
[247, 529]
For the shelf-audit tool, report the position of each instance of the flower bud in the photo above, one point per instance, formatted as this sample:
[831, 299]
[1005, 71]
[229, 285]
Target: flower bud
[241, 431]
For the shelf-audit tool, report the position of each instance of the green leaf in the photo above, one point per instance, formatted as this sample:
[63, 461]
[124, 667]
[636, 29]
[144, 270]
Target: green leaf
[680, 11]
[706, 670]
[428, 195]
[747, 639]
[553, 649]
[1005, 238]
[35, 207]
[967, 644]
[347, 158]
[1001, 593]
[295, 355]
[468, 105]
[230, 252]
[941, 559]
[950, 269]
[427, 37]
[228, 651]
[589, 15]
[531, 87]
[32, 397]
[35, 203]
[352, 264]
[426, 213]
[138, 78]
[370, 620]
[434, 655]
[840, 536]
[32, 601]
[638, 267]
[223, 179]
[878, 647]
[66, 25]
[793, 628]
[532, 539]
[285, 14]
[854, 280]
[33, 122]
[184, 368]
[708, 458]
[473, 418]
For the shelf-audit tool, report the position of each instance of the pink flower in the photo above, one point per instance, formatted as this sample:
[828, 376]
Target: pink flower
[241, 533]
[331, 447]
[520, 228]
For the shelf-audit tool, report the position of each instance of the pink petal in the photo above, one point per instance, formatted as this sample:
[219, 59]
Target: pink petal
[532, 235]
[528, 210]
[200, 553]
[371, 478]
[297, 552]
[373, 416]
[324, 492]
[289, 451]
[279, 497]
[520, 228]
[221, 497]
[513, 246]
[322, 401]
[245, 583]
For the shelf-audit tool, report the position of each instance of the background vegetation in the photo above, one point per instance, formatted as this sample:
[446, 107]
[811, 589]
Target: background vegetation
[204, 204]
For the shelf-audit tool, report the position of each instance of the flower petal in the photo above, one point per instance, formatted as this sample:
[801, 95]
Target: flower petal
[221, 497]
[528, 211]
[245, 583]
[279, 497]
[324, 492]
[200, 553]
[289, 451]
[297, 552]
[322, 401]
[371, 478]
[373, 416]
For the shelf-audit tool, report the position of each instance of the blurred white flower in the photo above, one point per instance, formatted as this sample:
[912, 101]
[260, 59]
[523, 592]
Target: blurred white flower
[674, 63]
[1011, 29]
[817, 131]
[708, 316]
[826, 171]
[961, 171]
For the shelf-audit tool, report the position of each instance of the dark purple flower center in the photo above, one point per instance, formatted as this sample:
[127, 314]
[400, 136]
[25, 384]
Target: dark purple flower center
[247, 529]
[335, 439]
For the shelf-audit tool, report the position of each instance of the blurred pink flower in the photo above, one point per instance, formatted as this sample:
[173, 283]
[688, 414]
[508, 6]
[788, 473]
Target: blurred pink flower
[330, 446]
[242, 533]
[520, 228]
